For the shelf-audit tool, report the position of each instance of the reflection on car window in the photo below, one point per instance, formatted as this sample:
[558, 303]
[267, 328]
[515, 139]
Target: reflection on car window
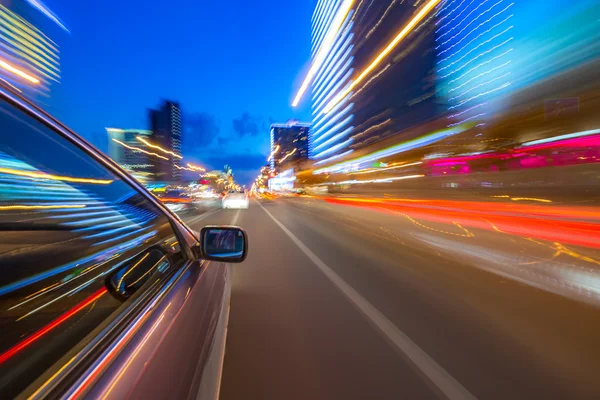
[66, 225]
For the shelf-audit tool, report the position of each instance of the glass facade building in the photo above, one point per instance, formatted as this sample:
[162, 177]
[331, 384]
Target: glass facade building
[166, 129]
[397, 94]
[289, 144]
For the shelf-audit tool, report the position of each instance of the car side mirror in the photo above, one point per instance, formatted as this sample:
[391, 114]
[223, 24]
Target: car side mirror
[223, 243]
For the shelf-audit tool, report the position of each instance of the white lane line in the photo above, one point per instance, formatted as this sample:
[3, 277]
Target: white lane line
[235, 218]
[451, 388]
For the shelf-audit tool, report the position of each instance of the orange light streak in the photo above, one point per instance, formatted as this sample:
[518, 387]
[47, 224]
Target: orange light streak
[401, 35]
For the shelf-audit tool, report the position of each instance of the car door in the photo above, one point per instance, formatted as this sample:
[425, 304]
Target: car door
[102, 292]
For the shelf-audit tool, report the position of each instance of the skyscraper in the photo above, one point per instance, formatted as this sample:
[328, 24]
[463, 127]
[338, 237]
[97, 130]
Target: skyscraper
[127, 148]
[166, 133]
[373, 78]
[289, 144]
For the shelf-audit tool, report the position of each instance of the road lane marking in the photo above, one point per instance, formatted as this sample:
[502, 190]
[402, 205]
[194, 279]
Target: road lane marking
[235, 218]
[449, 386]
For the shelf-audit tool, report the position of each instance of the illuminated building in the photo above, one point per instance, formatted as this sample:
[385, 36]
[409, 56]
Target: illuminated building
[489, 50]
[166, 133]
[29, 53]
[375, 74]
[289, 144]
[474, 46]
[127, 150]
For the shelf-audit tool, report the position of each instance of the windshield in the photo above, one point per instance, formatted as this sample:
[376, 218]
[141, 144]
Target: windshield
[419, 182]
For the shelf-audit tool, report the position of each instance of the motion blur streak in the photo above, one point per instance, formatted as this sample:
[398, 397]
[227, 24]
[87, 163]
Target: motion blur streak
[491, 217]
[135, 353]
[273, 153]
[195, 167]
[416, 19]
[47, 12]
[141, 139]
[325, 48]
[38, 207]
[18, 72]
[106, 358]
[562, 137]
[370, 171]
[42, 175]
[138, 149]
[393, 150]
[20, 346]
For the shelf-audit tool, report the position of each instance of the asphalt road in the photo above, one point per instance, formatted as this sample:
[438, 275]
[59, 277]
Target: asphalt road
[343, 302]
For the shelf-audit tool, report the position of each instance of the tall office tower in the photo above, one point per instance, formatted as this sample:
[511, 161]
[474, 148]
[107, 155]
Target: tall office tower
[374, 74]
[166, 133]
[289, 144]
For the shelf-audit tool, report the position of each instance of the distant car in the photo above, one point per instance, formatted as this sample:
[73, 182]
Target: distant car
[235, 199]
[105, 292]
[176, 200]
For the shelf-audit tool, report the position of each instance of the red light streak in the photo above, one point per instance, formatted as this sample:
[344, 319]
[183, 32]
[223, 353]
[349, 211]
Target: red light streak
[23, 344]
[536, 221]
[174, 200]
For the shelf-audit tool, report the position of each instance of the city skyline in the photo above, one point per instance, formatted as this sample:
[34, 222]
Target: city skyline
[113, 78]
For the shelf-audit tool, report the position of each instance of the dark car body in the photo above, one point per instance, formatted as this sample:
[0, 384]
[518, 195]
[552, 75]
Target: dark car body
[163, 341]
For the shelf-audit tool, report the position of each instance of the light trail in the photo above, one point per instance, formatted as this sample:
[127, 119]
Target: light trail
[51, 326]
[53, 207]
[393, 150]
[552, 223]
[18, 72]
[561, 137]
[287, 155]
[328, 41]
[138, 149]
[273, 153]
[42, 175]
[195, 167]
[405, 31]
[385, 169]
[382, 180]
[147, 143]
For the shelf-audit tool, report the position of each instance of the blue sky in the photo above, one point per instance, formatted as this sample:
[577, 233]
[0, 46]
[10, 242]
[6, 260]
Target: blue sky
[224, 61]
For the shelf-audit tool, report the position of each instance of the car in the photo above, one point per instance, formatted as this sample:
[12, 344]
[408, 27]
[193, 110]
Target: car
[235, 199]
[176, 200]
[104, 291]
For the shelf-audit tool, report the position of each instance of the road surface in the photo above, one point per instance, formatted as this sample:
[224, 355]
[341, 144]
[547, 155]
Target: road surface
[340, 301]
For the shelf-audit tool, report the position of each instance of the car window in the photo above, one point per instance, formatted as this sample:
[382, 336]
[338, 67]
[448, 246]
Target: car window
[71, 236]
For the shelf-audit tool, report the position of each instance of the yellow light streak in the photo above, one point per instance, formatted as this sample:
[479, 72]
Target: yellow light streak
[41, 175]
[405, 31]
[34, 395]
[138, 149]
[147, 143]
[531, 199]
[414, 221]
[385, 169]
[336, 24]
[183, 168]
[195, 167]
[505, 196]
[272, 154]
[287, 155]
[18, 72]
[55, 207]
[131, 269]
